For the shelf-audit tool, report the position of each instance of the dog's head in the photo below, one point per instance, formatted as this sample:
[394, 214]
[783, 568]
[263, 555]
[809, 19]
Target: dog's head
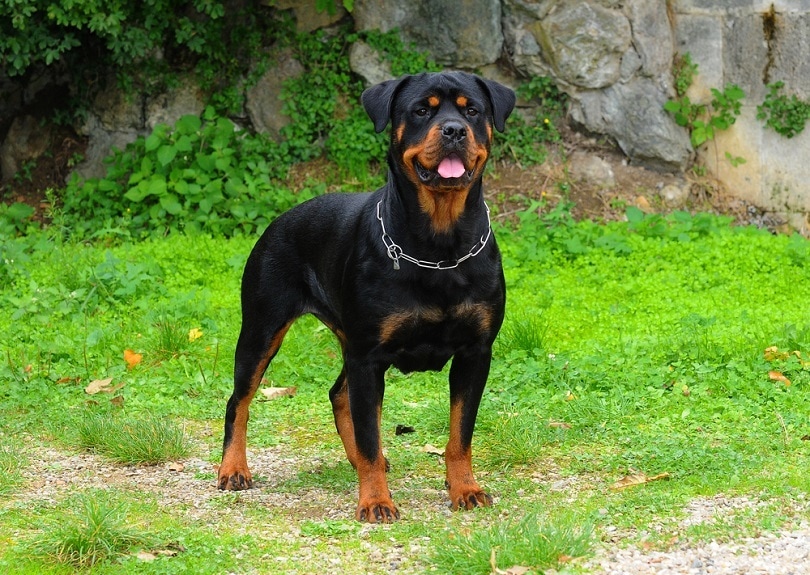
[441, 134]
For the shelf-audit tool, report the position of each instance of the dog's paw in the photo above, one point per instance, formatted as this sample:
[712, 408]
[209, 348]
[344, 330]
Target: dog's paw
[234, 480]
[382, 511]
[469, 498]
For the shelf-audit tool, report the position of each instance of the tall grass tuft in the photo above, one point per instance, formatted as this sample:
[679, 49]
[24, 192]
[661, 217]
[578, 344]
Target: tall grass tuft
[531, 542]
[93, 532]
[133, 441]
[525, 332]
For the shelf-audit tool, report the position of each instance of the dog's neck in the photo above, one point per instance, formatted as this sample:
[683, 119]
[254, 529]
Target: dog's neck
[449, 219]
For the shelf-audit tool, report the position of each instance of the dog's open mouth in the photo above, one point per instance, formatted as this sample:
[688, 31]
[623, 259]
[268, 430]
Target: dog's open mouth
[450, 170]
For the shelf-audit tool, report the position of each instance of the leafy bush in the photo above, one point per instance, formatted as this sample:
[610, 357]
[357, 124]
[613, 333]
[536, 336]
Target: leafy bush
[142, 42]
[14, 218]
[203, 175]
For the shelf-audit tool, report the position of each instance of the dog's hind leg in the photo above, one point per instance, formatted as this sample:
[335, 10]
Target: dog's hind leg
[255, 349]
[339, 396]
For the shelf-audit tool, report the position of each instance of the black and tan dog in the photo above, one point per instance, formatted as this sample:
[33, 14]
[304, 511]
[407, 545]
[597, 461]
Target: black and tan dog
[408, 276]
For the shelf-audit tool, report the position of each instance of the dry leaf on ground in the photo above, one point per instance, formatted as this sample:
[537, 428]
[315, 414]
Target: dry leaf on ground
[637, 478]
[433, 450]
[778, 376]
[102, 385]
[276, 392]
[132, 358]
[559, 424]
[514, 570]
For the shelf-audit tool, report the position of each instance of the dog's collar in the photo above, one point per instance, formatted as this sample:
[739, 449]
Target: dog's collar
[395, 252]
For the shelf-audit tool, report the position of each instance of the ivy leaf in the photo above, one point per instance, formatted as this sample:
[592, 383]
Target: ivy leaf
[166, 154]
[152, 142]
[170, 203]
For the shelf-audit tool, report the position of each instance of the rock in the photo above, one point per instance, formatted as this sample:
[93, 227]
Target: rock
[458, 33]
[584, 42]
[591, 169]
[307, 16]
[674, 195]
[367, 63]
[26, 140]
[652, 36]
[169, 107]
[101, 142]
[263, 101]
[113, 121]
[521, 45]
[633, 114]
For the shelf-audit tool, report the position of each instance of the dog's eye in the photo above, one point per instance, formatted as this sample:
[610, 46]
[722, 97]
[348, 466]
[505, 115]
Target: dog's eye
[421, 111]
[472, 112]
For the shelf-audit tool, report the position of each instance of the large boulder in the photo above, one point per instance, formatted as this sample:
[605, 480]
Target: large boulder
[633, 114]
[457, 33]
[27, 139]
[263, 101]
[584, 42]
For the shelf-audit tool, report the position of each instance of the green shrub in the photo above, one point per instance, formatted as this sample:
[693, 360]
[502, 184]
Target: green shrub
[203, 175]
[144, 43]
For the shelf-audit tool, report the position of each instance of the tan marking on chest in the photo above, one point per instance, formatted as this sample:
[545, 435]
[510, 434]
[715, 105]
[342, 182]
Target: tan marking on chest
[478, 313]
[400, 320]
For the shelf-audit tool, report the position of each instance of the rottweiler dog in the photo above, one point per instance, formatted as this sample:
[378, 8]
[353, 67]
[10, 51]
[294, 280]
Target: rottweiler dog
[409, 275]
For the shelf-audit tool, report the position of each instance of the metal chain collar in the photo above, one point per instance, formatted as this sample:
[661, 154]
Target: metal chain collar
[395, 252]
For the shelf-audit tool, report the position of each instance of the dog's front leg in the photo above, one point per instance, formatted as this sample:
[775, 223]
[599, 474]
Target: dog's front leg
[468, 376]
[366, 385]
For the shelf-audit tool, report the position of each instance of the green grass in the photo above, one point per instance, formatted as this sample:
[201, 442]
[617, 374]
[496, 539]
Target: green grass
[129, 441]
[628, 347]
[533, 542]
[94, 531]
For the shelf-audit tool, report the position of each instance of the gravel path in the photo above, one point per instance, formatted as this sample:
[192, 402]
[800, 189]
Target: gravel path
[771, 554]
[55, 472]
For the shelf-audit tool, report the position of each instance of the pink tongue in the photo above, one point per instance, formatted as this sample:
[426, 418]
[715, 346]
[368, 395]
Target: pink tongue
[451, 167]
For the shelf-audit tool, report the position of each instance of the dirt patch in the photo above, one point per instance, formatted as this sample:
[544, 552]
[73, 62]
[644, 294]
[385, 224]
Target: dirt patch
[49, 171]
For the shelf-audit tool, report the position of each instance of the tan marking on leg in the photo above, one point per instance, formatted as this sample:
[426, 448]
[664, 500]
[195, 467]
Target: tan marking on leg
[464, 491]
[344, 424]
[375, 504]
[234, 473]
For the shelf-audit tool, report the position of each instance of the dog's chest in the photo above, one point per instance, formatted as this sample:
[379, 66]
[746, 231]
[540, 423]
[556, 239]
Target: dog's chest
[424, 338]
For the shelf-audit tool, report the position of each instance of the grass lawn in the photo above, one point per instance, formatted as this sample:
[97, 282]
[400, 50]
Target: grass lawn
[644, 367]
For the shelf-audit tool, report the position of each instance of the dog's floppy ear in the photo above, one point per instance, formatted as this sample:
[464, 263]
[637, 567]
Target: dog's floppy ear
[377, 101]
[502, 100]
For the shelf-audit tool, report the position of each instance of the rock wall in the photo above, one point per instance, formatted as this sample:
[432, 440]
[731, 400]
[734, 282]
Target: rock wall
[753, 43]
[612, 57]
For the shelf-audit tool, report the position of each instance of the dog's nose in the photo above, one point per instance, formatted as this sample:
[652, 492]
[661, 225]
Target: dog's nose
[454, 131]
